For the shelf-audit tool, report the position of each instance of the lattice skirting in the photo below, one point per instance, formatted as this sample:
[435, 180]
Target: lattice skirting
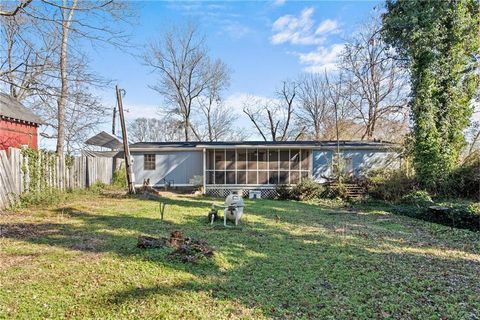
[220, 192]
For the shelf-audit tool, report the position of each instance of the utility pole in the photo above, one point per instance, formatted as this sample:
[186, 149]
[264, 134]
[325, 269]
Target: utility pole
[126, 149]
[114, 120]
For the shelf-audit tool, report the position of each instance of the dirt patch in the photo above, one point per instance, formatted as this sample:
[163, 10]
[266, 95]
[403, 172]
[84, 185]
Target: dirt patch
[27, 230]
[87, 243]
[10, 260]
[186, 248]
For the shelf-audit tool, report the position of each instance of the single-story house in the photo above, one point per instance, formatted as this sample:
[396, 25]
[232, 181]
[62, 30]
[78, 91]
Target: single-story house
[252, 165]
[18, 124]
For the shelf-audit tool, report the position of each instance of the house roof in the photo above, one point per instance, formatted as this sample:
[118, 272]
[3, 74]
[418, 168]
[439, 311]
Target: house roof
[285, 144]
[12, 109]
[105, 140]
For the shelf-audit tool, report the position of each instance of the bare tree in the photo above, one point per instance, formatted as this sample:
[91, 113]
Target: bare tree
[67, 11]
[54, 69]
[377, 84]
[81, 28]
[219, 119]
[273, 118]
[315, 110]
[186, 73]
[26, 56]
[17, 9]
[152, 129]
[83, 111]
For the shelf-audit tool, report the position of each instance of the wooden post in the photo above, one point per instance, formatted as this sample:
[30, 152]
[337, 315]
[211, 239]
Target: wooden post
[162, 209]
[126, 150]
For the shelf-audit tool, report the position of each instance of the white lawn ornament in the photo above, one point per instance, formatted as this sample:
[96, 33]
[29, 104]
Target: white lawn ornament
[232, 208]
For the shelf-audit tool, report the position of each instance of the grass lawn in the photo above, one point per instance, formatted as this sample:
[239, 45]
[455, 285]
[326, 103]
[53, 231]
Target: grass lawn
[79, 260]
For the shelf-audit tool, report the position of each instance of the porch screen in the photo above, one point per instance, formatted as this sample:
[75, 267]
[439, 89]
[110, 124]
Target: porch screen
[257, 166]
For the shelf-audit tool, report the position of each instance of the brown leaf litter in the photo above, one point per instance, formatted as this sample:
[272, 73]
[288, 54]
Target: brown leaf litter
[186, 250]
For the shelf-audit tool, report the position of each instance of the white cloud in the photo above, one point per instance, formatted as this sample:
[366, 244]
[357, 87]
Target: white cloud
[279, 2]
[323, 58]
[300, 29]
[327, 26]
[237, 30]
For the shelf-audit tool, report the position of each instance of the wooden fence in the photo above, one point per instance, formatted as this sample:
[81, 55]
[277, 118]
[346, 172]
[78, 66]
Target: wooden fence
[36, 171]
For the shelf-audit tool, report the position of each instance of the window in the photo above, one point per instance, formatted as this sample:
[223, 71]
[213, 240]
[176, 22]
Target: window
[262, 159]
[252, 177]
[262, 177]
[252, 159]
[283, 177]
[148, 162]
[305, 157]
[230, 160]
[294, 177]
[210, 177]
[241, 159]
[284, 157]
[230, 176]
[273, 160]
[294, 159]
[273, 177]
[219, 159]
[211, 160]
[219, 177]
[242, 177]
[257, 166]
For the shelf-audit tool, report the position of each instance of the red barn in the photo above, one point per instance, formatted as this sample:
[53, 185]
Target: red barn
[18, 125]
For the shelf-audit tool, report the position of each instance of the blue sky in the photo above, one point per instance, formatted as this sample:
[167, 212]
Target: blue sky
[247, 36]
[263, 43]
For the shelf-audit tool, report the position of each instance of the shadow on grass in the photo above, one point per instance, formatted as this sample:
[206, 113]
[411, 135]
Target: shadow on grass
[308, 263]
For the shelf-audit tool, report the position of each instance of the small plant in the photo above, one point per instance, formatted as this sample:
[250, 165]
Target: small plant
[284, 192]
[418, 198]
[97, 187]
[50, 196]
[119, 178]
[335, 191]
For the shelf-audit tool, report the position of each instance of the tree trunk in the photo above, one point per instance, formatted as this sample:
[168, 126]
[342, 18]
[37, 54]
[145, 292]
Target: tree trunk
[62, 99]
[10, 65]
[186, 131]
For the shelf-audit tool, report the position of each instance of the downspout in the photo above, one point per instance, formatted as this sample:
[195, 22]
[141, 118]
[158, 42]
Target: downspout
[204, 189]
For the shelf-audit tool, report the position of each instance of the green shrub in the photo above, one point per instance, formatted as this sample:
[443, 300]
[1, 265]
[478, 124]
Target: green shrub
[464, 181]
[119, 178]
[47, 197]
[283, 191]
[389, 185]
[335, 191]
[418, 198]
[98, 187]
[307, 189]
[465, 216]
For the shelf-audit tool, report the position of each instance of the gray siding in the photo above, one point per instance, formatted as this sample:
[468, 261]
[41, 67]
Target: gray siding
[322, 167]
[362, 161]
[179, 166]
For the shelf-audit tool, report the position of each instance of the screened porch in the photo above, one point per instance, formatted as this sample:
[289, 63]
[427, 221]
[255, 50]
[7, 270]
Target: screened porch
[256, 166]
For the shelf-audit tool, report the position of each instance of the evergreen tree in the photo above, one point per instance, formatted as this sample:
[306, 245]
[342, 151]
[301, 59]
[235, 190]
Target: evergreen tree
[439, 42]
